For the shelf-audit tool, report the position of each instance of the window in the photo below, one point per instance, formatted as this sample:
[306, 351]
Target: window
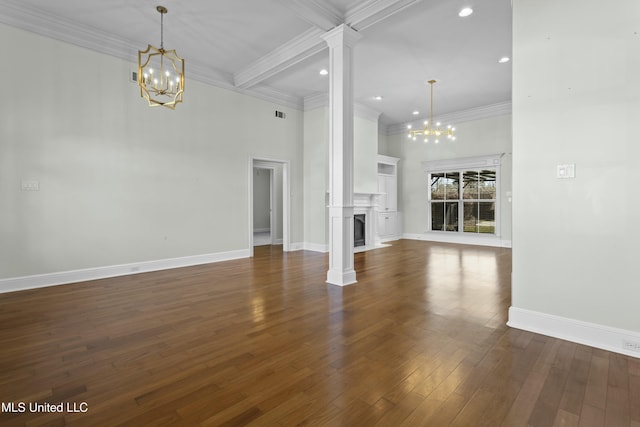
[463, 198]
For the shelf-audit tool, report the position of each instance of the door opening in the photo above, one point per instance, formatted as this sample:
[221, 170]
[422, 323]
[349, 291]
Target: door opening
[269, 202]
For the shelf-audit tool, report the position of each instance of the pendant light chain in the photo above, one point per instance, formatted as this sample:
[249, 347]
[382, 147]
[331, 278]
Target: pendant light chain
[162, 30]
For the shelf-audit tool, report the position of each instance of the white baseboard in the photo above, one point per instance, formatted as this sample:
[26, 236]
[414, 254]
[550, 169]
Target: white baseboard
[591, 334]
[306, 246]
[318, 247]
[64, 277]
[461, 238]
[297, 246]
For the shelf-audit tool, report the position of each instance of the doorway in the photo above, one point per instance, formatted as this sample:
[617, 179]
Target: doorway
[265, 220]
[269, 202]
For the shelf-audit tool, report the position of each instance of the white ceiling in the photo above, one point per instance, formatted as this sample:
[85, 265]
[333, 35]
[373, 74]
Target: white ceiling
[273, 48]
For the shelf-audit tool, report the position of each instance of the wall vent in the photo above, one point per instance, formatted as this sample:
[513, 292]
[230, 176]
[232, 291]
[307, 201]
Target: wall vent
[280, 115]
[134, 76]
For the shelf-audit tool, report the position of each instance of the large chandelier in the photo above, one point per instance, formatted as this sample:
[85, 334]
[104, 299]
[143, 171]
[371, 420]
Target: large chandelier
[161, 72]
[431, 130]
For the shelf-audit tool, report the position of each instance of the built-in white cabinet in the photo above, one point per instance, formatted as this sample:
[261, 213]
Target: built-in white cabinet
[388, 227]
[388, 185]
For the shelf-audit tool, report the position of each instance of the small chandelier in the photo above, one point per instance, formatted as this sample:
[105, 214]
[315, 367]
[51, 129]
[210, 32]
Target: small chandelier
[429, 128]
[161, 72]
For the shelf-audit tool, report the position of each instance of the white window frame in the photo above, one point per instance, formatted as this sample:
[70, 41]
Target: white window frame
[461, 165]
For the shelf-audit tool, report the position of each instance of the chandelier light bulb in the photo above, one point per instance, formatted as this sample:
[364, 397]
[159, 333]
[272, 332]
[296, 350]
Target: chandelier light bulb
[465, 12]
[408, 126]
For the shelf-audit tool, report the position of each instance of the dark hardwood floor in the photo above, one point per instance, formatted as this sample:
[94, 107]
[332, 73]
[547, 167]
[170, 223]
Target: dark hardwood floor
[419, 340]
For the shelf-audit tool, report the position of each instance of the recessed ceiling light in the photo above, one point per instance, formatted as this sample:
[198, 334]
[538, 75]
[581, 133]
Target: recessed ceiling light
[415, 113]
[504, 59]
[465, 12]
[377, 98]
[324, 72]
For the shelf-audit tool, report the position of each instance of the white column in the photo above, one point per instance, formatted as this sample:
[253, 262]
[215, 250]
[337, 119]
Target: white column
[341, 41]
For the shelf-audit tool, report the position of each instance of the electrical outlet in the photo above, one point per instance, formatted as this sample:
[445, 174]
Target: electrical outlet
[30, 186]
[631, 345]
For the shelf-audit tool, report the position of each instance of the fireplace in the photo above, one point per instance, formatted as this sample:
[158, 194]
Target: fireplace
[359, 230]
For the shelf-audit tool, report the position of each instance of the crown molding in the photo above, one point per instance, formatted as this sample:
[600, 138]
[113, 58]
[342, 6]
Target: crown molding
[316, 100]
[476, 113]
[371, 12]
[365, 112]
[318, 13]
[341, 36]
[24, 17]
[31, 19]
[270, 94]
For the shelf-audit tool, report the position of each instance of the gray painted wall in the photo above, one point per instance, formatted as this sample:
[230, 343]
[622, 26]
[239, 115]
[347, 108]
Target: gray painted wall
[576, 99]
[121, 182]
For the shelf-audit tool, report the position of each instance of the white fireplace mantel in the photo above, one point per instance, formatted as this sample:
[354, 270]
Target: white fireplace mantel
[367, 204]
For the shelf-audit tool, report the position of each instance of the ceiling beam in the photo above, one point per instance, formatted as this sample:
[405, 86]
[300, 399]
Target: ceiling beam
[317, 13]
[321, 15]
[298, 49]
[371, 12]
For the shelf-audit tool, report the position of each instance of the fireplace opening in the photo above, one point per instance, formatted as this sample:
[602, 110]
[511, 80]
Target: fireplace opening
[359, 230]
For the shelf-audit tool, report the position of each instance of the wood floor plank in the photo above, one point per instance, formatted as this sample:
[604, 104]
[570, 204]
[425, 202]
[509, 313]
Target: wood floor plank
[419, 340]
[617, 410]
[591, 416]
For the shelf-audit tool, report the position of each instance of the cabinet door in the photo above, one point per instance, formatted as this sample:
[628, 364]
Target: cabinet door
[387, 224]
[387, 184]
[382, 225]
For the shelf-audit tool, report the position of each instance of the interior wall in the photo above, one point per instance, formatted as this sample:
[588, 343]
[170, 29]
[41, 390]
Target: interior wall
[576, 100]
[473, 138]
[261, 199]
[316, 177]
[120, 182]
[316, 164]
[365, 155]
[383, 144]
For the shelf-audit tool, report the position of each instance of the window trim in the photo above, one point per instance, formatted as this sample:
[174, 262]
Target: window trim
[462, 165]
